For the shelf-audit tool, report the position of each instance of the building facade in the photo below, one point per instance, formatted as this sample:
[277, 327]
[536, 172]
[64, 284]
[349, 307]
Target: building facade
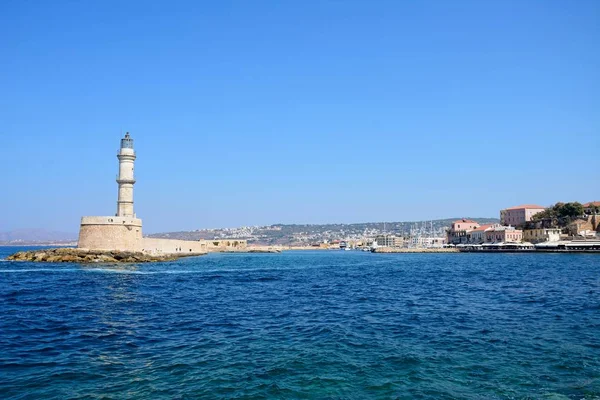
[503, 234]
[477, 235]
[518, 215]
[427, 242]
[458, 232]
[541, 235]
[389, 241]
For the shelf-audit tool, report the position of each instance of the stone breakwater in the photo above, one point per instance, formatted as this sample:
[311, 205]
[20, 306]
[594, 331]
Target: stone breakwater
[254, 249]
[402, 250]
[91, 256]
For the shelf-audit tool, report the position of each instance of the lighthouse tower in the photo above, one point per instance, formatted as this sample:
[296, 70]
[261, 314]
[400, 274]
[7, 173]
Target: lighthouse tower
[122, 231]
[125, 179]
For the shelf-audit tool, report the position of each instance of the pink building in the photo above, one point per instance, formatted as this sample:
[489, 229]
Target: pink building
[459, 230]
[503, 234]
[464, 224]
[520, 214]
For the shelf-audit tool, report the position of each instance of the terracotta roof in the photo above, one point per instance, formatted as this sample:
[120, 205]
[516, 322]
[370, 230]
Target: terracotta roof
[469, 221]
[592, 203]
[525, 206]
[482, 228]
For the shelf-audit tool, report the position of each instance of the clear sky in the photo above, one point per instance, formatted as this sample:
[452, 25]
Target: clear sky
[262, 112]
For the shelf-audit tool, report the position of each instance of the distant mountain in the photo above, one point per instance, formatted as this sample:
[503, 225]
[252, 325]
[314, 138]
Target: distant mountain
[316, 233]
[26, 236]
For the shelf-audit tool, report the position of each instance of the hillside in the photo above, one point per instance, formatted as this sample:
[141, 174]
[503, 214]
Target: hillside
[35, 236]
[315, 233]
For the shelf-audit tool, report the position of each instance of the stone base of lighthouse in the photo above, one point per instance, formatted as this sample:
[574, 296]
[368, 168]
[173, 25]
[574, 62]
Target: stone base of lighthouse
[111, 233]
[125, 234]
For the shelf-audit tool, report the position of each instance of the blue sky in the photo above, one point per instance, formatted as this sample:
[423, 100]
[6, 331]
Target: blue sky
[251, 113]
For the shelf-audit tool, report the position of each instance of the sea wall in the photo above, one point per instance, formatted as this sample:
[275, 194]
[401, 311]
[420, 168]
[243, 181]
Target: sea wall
[110, 233]
[226, 245]
[173, 246]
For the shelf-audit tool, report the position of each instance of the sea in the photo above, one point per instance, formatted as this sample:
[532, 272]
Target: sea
[303, 325]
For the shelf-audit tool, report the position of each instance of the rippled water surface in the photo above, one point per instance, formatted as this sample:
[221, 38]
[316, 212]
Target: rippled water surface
[304, 325]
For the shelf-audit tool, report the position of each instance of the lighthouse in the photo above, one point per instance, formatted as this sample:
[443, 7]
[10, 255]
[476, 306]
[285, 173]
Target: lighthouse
[125, 179]
[123, 231]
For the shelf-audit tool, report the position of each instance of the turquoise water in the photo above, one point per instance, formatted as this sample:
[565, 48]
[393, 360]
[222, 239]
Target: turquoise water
[346, 325]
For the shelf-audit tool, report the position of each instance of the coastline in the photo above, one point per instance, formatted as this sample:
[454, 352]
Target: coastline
[74, 255]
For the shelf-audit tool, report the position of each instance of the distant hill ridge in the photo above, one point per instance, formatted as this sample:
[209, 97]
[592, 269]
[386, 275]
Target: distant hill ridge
[36, 236]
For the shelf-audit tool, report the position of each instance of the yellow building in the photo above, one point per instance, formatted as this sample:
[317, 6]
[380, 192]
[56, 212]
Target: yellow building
[541, 235]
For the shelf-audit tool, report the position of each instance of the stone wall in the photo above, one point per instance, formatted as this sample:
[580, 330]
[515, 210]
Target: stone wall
[125, 234]
[173, 246]
[226, 245]
[581, 225]
[110, 233]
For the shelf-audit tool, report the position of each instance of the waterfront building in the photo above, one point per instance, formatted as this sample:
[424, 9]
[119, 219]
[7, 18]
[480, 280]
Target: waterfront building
[477, 235]
[541, 235]
[518, 215]
[423, 242]
[388, 241]
[458, 232]
[503, 234]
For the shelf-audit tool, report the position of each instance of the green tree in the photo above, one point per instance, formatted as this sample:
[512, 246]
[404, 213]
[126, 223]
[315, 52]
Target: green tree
[572, 210]
[548, 213]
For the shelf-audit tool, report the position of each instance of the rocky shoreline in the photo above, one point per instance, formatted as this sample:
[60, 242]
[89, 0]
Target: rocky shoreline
[75, 255]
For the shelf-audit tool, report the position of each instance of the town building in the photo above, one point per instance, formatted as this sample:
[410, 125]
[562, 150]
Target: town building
[459, 230]
[389, 241]
[477, 235]
[541, 235]
[427, 242]
[518, 215]
[503, 234]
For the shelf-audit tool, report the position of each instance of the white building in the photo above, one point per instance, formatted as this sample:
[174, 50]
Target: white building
[421, 242]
